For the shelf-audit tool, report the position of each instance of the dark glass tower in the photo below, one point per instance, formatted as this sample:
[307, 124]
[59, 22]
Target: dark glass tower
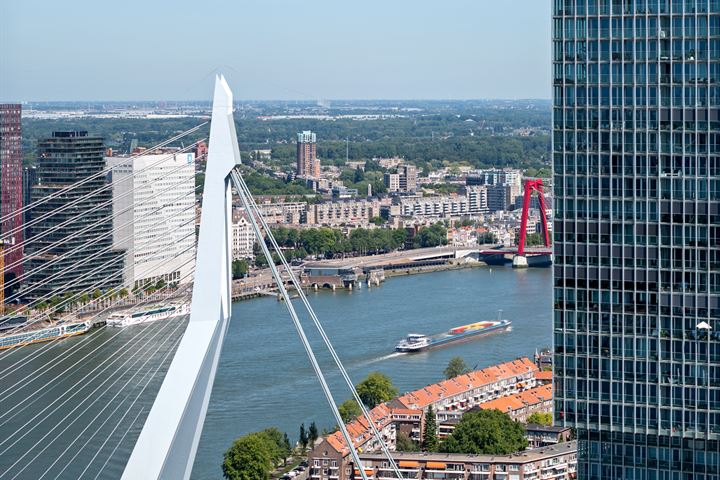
[636, 152]
[83, 224]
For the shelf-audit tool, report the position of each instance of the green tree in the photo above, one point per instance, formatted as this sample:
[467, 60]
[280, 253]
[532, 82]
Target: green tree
[403, 443]
[540, 418]
[378, 221]
[287, 446]
[456, 367]
[303, 437]
[123, 293]
[276, 444]
[376, 389]
[313, 433]
[489, 432]
[349, 409]
[249, 458]
[96, 294]
[239, 268]
[430, 441]
[432, 236]
[160, 284]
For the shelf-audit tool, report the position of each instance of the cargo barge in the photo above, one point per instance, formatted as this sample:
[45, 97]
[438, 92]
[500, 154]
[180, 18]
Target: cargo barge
[418, 342]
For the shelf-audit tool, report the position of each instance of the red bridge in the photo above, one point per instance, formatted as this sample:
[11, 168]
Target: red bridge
[522, 252]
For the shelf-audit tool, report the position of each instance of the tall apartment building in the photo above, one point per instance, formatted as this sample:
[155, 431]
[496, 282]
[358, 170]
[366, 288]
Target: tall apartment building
[83, 258]
[636, 144]
[503, 186]
[308, 164]
[243, 238]
[29, 179]
[154, 215]
[403, 180]
[11, 183]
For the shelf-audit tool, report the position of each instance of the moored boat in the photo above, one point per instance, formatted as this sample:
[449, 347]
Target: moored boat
[136, 317]
[44, 334]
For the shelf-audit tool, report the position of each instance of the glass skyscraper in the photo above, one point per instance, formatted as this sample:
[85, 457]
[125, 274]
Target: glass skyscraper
[69, 245]
[636, 154]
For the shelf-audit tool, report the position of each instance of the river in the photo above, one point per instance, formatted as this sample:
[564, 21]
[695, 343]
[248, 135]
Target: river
[264, 378]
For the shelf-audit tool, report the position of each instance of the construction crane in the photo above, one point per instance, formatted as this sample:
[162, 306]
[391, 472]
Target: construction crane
[3, 242]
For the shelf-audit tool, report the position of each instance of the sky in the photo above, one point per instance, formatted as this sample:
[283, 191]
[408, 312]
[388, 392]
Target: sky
[89, 50]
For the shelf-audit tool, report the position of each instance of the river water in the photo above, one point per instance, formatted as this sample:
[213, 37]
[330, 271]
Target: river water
[264, 378]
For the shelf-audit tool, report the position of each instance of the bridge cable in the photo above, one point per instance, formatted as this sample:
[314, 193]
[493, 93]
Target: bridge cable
[320, 328]
[85, 380]
[108, 403]
[37, 374]
[44, 233]
[296, 321]
[49, 197]
[81, 403]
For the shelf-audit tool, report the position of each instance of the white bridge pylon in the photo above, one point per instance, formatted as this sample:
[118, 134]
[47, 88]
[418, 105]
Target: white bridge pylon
[169, 439]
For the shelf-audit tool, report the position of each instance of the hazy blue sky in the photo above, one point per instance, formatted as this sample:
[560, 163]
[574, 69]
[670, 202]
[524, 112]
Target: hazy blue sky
[274, 49]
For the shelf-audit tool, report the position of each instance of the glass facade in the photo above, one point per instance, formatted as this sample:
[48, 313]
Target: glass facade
[636, 157]
[69, 241]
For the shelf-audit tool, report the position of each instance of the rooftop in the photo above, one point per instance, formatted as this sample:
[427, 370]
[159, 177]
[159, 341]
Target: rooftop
[520, 457]
[423, 397]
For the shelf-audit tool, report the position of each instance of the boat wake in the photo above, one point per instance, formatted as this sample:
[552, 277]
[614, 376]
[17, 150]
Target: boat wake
[380, 359]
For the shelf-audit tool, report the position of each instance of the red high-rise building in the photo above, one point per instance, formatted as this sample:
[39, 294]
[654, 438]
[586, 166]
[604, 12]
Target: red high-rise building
[11, 181]
[307, 163]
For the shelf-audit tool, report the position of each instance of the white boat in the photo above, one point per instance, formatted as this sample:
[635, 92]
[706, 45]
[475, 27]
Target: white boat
[136, 317]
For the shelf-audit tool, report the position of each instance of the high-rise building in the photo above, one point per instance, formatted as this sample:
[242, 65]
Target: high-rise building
[307, 163]
[154, 216]
[70, 249]
[11, 191]
[636, 153]
[403, 180]
[243, 237]
[29, 179]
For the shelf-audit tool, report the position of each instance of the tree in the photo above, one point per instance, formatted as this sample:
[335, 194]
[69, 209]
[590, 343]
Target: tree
[249, 458]
[456, 367]
[376, 389]
[303, 437]
[432, 236]
[239, 268]
[540, 418]
[490, 432]
[378, 221]
[403, 443]
[287, 446]
[349, 409]
[430, 441]
[96, 294]
[123, 293]
[313, 433]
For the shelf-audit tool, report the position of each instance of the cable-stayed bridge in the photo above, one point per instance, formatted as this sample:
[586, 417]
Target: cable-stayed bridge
[70, 408]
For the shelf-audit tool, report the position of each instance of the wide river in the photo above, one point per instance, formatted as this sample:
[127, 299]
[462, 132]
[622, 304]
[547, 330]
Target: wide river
[264, 378]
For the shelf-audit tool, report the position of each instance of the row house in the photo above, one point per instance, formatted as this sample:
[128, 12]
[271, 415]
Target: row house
[464, 392]
[331, 459]
[557, 462]
[521, 405]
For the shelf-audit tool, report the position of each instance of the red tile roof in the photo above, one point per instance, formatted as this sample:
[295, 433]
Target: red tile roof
[423, 397]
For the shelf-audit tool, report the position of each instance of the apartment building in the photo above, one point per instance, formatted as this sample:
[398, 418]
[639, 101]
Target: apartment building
[243, 238]
[353, 212]
[555, 462]
[289, 213]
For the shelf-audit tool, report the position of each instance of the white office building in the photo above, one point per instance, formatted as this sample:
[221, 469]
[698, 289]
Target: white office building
[243, 238]
[154, 215]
